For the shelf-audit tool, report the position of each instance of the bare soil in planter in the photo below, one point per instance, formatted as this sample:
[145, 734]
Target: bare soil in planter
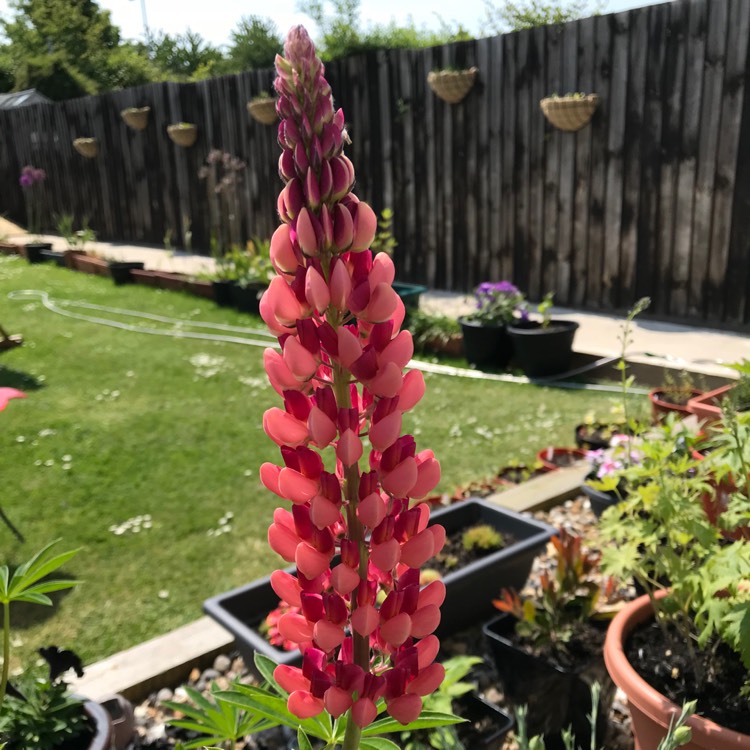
[519, 474]
[455, 556]
[669, 670]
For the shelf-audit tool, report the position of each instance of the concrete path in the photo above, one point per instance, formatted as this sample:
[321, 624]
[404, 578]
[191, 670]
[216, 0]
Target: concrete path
[700, 349]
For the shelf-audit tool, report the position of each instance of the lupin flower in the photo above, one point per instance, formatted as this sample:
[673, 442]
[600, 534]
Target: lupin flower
[356, 608]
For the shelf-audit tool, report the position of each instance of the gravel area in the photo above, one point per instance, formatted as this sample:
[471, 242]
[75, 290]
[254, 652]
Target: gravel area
[575, 515]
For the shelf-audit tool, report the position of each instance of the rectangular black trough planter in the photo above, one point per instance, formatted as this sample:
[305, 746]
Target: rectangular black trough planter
[471, 589]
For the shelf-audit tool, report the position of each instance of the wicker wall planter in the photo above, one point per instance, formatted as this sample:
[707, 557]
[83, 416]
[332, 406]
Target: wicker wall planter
[136, 117]
[88, 147]
[452, 85]
[183, 134]
[569, 113]
[263, 110]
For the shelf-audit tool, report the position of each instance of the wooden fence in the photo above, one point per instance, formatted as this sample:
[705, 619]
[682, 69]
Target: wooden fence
[652, 198]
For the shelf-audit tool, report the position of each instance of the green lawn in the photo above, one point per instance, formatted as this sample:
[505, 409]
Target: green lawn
[120, 424]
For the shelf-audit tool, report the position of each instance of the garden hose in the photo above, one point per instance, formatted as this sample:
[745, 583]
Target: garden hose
[268, 339]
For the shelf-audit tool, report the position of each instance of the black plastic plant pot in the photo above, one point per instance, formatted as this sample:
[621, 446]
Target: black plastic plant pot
[599, 500]
[223, 292]
[120, 271]
[590, 436]
[53, 256]
[556, 698]
[479, 713]
[409, 293]
[241, 611]
[543, 351]
[35, 251]
[486, 345]
[246, 298]
[470, 590]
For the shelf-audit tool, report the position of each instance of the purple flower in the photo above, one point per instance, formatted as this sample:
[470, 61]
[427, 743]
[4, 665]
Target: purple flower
[25, 180]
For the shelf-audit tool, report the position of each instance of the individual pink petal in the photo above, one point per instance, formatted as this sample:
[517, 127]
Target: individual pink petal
[365, 619]
[428, 470]
[349, 448]
[283, 428]
[337, 701]
[286, 587]
[322, 429]
[280, 376]
[425, 620]
[6, 394]
[311, 562]
[371, 511]
[400, 481]
[418, 550]
[432, 593]
[304, 705]
[344, 579]
[283, 541]
[428, 680]
[385, 556]
[399, 349]
[343, 228]
[350, 350]
[269, 476]
[382, 304]
[340, 283]
[388, 382]
[328, 636]
[383, 270]
[299, 360]
[283, 303]
[405, 708]
[365, 226]
[323, 512]
[290, 678]
[384, 433]
[295, 627]
[427, 650]
[283, 257]
[364, 712]
[396, 630]
[296, 487]
[316, 290]
[307, 235]
[412, 390]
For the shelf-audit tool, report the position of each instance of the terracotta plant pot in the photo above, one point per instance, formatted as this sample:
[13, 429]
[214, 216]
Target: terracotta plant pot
[91, 264]
[145, 277]
[707, 406]
[9, 248]
[200, 288]
[174, 282]
[650, 711]
[554, 458]
[660, 407]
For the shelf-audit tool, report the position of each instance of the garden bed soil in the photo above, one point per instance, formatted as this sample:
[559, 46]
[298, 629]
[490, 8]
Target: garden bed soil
[669, 671]
[454, 556]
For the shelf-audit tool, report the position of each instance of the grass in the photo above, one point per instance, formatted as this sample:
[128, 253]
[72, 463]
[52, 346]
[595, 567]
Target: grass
[120, 424]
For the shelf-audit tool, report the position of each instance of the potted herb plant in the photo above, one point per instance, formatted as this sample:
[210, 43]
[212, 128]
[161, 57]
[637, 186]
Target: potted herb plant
[37, 712]
[485, 331]
[435, 334]
[554, 457]
[253, 271]
[542, 348]
[32, 182]
[684, 639]
[548, 649]
[673, 396]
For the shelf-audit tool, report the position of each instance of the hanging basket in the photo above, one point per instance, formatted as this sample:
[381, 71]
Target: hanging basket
[569, 113]
[263, 110]
[136, 117]
[87, 147]
[452, 85]
[183, 134]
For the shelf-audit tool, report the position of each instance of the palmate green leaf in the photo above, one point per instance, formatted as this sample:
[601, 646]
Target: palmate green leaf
[303, 741]
[266, 667]
[737, 631]
[427, 720]
[377, 743]
[18, 586]
[33, 599]
[274, 708]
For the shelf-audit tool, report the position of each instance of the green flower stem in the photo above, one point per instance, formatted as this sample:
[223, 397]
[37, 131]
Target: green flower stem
[6, 651]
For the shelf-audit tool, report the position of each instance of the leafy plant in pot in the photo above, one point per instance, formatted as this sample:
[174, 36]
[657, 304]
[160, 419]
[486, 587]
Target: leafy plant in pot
[673, 395]
[485, 331]
[542, 348]
[37, 712]
[548, 649]
[253, 271]
[687, 637]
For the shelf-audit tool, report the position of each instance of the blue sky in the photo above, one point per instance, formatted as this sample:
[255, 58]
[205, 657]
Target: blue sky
[215, 19]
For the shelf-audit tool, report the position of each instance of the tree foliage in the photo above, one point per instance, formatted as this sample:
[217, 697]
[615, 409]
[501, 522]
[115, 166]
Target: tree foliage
[515, 15]
[185, 56]
[254, 43]
[342, 32]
